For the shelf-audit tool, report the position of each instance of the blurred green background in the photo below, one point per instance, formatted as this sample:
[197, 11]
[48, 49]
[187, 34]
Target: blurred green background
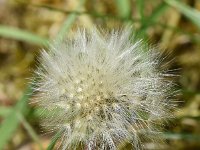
[26, 26]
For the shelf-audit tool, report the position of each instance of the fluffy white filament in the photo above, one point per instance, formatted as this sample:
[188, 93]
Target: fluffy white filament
[102, 90]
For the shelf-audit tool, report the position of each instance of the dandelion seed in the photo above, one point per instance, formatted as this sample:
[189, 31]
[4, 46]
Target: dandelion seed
[108, 90]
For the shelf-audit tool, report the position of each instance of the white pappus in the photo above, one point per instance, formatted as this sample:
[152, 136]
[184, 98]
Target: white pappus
[103, 90]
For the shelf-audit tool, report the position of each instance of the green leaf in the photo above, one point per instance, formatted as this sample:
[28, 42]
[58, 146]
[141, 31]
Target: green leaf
[192, 14]
[124, 8]
[11, 122]
[15, 33]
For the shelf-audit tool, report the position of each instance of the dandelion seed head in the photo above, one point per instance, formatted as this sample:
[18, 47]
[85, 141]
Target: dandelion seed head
[103, 88]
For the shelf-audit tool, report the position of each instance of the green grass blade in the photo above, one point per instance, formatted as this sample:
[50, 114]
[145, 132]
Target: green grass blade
[124, 8]
[68, 22]
[140, 8]
[54, 140]
[4, 111]
[192, 14]
[148, 21]
[11, 122]
[180, 136]
[14, 33]
[157, 12]
[30, 131]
